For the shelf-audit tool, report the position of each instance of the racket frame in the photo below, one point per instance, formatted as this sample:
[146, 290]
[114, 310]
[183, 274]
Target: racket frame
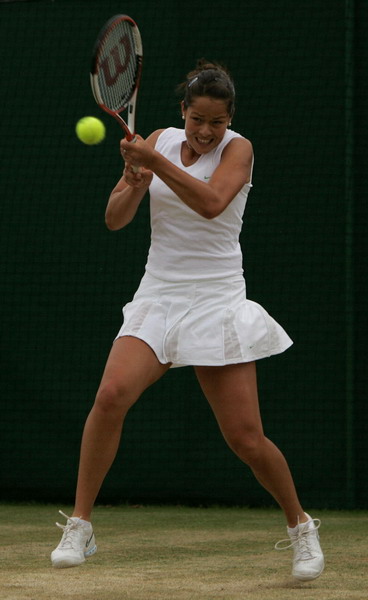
[129, 126]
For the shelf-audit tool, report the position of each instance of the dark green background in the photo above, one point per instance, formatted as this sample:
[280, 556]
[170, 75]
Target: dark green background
[301, 98]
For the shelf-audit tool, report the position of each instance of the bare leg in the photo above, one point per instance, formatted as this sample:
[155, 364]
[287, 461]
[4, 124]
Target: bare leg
[232, 393]
[131, 367]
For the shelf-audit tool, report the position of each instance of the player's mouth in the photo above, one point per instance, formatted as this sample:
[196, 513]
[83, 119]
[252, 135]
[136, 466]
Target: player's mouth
[203, 142]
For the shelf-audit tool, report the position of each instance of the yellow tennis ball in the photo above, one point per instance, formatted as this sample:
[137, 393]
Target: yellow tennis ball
[90, 130]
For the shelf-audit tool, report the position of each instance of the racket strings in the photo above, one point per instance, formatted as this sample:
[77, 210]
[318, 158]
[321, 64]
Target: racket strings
[117, 67]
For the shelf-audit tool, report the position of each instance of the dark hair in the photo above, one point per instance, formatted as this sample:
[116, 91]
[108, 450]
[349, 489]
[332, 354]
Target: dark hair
[208, 79]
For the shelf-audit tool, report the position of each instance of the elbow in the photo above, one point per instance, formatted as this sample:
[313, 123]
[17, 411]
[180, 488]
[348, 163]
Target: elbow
[211, 213]
[212, 207]
[112, 224]
[109, 222]
[110, 227]
[208, 215]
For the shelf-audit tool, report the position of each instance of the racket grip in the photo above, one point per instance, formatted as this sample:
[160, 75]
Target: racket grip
[135, 169]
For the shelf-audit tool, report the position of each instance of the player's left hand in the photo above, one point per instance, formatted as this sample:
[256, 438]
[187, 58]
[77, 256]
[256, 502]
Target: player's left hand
[137, 153]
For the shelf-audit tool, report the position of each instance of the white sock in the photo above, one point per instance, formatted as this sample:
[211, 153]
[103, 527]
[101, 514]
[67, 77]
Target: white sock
[82, 521]
[294, 530]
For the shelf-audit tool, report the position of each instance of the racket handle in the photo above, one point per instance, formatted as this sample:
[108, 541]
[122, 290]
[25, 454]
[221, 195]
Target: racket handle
[133, 141]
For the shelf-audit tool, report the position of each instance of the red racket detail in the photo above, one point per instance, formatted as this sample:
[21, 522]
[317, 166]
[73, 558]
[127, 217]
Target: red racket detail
[116, 70]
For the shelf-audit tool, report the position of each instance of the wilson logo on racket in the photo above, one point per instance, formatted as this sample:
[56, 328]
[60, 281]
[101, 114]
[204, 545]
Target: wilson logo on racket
[120, 68]
[116, 70]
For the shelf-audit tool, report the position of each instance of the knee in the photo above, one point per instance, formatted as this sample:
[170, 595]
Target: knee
[112, 400]
[246, 444]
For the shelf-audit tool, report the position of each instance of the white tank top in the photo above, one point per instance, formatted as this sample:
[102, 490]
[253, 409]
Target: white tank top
[184, 245]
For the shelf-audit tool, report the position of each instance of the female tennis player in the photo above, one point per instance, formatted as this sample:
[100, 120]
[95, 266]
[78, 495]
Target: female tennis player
[191, 308]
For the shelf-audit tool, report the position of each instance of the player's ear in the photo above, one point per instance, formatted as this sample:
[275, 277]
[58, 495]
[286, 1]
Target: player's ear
[183, 109]
[230, 118]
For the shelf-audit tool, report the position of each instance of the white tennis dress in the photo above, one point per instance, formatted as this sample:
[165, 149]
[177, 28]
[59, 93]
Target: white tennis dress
[191, 306]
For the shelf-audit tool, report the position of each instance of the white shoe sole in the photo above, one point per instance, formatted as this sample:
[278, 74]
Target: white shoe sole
[68, 562]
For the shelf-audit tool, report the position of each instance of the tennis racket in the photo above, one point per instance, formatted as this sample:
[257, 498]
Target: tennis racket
[116, 70]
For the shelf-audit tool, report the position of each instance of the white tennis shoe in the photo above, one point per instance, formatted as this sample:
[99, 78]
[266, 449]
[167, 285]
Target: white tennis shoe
[77, 543]
[308, 561]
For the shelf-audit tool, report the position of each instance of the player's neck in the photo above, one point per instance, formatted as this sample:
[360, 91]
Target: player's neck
[188, 155]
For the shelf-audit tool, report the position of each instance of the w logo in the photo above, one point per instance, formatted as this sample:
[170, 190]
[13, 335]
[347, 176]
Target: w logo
[112, 74]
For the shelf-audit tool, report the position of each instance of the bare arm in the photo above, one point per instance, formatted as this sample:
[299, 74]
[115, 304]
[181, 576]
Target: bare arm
[207, 199]
[128, 193]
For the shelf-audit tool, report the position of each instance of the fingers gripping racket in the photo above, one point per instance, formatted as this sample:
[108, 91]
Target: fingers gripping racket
[116, 70]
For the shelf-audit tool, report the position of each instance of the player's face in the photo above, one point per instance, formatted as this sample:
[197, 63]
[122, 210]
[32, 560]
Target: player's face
[206, 120]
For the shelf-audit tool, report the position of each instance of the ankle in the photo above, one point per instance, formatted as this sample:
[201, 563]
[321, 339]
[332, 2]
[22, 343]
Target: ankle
[82, 516]
[300, 518]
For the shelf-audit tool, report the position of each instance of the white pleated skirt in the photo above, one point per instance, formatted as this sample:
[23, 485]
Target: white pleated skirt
[205, 323]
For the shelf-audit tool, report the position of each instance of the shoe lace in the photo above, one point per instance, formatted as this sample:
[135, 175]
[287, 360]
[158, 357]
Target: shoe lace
[301, 540]
[69, 539]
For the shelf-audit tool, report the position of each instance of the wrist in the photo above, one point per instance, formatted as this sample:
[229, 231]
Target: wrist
[153, 163]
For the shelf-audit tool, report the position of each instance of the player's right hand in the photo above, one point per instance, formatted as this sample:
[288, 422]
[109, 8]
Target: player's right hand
[137, 179]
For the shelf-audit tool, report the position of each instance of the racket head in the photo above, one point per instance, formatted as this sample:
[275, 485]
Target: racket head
[116, 69]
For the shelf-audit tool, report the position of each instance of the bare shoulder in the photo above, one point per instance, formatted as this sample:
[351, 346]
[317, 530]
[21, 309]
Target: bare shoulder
[238, 152]
[237, 156]
[239, 146]
[153, 137]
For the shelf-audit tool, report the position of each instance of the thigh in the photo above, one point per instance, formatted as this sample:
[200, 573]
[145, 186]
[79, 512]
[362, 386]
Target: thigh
[232, 394]
[131, 367]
